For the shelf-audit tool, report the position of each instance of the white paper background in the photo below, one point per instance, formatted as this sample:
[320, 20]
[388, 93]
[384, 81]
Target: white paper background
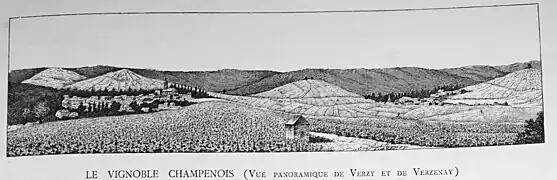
[508, 162]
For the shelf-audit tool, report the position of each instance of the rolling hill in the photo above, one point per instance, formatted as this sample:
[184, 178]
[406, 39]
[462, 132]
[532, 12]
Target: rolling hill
[307, 89]
[119, 80]
[518, 88]
[313, 98]
[55, 78]
[210, 80]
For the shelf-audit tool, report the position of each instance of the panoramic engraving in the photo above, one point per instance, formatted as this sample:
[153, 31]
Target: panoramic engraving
[274, 83]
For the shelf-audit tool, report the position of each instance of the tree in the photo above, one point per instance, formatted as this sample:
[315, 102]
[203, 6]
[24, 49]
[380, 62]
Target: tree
[114, 107]
[136, 107]
[533, 132]
[40, 110]
[27, 115]
[81, 108]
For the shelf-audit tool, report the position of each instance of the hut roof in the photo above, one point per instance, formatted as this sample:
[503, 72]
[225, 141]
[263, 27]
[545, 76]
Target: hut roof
[296, 119]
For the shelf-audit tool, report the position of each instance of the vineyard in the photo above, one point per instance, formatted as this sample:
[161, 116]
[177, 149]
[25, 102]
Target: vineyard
[204, 127]
[346, 107]
[414, 132]
[349, 107]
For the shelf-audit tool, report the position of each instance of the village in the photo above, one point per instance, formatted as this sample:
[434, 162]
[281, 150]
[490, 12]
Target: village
[168, 98]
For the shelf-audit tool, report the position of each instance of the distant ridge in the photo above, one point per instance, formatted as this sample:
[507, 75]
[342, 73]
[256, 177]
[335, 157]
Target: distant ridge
[386, 80]
[307, 89]
[362, 81]
[119, 80]
[54, 77]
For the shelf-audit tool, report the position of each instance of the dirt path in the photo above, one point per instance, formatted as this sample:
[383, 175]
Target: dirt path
[342, 143]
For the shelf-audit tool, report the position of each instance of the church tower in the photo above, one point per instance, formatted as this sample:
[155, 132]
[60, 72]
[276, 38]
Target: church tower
[165, 83]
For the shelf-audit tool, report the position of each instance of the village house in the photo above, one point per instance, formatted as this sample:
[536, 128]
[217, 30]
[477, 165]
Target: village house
[169, 91]
[297, 127]
[408, 100]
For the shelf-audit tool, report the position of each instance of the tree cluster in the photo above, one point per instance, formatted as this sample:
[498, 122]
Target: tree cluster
[30, 103]
[533, 131]
[423, 93]
[195, 92]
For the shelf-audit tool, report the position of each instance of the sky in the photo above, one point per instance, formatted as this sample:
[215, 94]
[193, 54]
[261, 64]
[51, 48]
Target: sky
[280, 42]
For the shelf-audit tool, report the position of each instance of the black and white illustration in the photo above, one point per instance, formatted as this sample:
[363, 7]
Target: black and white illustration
[297, 81]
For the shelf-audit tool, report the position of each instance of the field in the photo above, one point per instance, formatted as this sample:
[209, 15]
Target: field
[421, 133]
[205, 127]
[346, 107]
[307, 89]
[483, 114]
[350, 107]
[429, 126]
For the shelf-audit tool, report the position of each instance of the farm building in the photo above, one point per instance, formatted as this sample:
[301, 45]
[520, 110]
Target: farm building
[297, 127]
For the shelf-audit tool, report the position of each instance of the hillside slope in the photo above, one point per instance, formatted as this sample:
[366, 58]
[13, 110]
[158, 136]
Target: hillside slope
[482, 73]
[55, 78]
[119, 80]
[518, 88]
[307, 89]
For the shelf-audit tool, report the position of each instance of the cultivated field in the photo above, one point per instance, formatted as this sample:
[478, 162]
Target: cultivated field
[464, 113]
[421, 125]
[433, 126]
[521, 88]
[205, 127]
[418, 132]
[346, 107]
[307, 89]
[54, 77]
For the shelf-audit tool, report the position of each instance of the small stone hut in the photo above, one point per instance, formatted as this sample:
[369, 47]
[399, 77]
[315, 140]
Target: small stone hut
[297, 127]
